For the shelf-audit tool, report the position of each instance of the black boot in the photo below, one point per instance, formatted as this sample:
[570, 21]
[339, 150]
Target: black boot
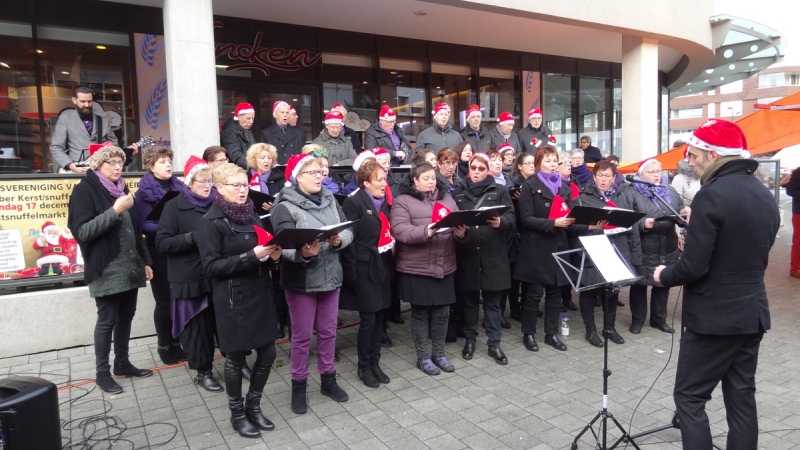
[205, 378]
[570, 305]
[107, 384]
[252, 410]
[366, 375]
[246, 372]
[591, 333]
[379, 375]
[126, 369]
[166, 355]
[239, 419]
[177, 352]
[299, 401]
[613, 336]
[386, 341]
[331, 389]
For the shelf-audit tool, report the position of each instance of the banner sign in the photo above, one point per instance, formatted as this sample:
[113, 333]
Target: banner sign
[151, 81]
[264, 59]
[531, 93]
[34, 238]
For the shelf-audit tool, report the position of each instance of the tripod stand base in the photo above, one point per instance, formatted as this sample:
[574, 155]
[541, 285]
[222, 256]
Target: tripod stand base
[604, 416]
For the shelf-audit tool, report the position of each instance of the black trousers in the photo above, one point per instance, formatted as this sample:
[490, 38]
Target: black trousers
[114, 316]
[265, 357]
[197, 339]
[281, 308]
[162, 316]
[369, 338]
[658, 305]
[705, 360]
[587, 299]
[394, 309]
[513, 294]
[491, 315]
[566, 293]
[530, 307]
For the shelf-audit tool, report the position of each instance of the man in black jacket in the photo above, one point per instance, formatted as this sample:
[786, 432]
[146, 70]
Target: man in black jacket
[287, 139]
[386, 134]
[533, 136]
[475, 133]
[236, 136]
[348, 132]
[731, 229]
[591, 154]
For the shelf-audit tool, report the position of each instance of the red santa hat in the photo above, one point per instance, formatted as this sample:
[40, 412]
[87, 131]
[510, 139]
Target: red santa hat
[363, 156]
[386, 240]
[292, 110]
[505, 118]
[339, 107]
[293, 167]
[483, 157]
[193, 164]
[644, 164]
[535, 112]
[378, 151]
[552, 139]
[721, 136]
[278, 104]
[387, 113]
[504, 147]
[255, 182]
[47, 225]
[441, 108]
[243, 108]
[334, 117]
[473, 109]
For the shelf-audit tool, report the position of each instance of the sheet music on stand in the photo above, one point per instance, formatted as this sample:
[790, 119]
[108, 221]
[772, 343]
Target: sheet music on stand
[606, 258]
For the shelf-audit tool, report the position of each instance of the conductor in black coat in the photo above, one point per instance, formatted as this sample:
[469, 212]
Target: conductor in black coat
[482, 263]
[732, 227]
[544, 202]
[368, 267]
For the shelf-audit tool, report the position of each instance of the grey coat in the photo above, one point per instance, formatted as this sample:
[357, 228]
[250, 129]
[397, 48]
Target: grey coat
[320, 273]
[433, 138]
[340, 149]
[70, 138]
[498, 139]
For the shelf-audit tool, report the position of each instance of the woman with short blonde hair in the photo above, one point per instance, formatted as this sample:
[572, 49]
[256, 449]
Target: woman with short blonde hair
[261, 160]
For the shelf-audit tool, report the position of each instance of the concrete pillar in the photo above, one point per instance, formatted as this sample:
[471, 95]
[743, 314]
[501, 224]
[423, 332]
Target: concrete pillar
[639, 98]
[191, 77]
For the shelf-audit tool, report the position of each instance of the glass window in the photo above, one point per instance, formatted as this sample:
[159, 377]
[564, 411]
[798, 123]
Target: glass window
[498, 94]
[226, 104]
[712, 110]
[714, 91]
[617, 119]
[559, 106]
[771, 79]
[452, 85]
[402, 87]
[685, 113]
[20, 136]
[768, 100]
[592, 113]
[731, 88]
[354, 88]
[730, 109]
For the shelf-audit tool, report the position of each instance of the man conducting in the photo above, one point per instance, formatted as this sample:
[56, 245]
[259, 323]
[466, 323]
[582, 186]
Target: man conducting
[732, 227]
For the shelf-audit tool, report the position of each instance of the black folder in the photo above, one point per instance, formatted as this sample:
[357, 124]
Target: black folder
[340, 198]
[588, 215]
[677, 220]
[155, 214]
[260, 198]
[470, 217]
[294, 238]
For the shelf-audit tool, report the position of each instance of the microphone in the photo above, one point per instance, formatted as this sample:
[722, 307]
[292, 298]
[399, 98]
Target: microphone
[638, 179]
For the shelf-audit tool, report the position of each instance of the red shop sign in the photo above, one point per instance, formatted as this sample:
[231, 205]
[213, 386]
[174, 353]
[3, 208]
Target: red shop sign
[264, 59]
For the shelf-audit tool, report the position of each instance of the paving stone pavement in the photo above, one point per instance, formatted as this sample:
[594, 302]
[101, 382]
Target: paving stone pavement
[539, 401]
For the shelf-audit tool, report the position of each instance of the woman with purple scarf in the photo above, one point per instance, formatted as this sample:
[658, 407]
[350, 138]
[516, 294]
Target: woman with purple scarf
[157, 160]
[261, 160]
[659, 246]
[192, 310]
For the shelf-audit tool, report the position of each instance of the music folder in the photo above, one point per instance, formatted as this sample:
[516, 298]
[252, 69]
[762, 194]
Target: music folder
[294, 238]
[677, 220]
[155, 214]
[471, 217]
[259, 198]
[617, 217]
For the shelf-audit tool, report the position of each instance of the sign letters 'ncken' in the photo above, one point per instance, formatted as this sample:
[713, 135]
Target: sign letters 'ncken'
[264, 59]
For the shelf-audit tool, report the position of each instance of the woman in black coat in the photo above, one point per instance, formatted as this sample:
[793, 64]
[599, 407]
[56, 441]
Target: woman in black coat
[192, 311]
[464, 152]
[544, 202]
[368, 267]
[242, 293]
[599, 193]
[482, 262]
[659, 247]
[522, 169]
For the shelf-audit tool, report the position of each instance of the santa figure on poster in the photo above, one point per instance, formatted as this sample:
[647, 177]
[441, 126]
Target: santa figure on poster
[54, 246]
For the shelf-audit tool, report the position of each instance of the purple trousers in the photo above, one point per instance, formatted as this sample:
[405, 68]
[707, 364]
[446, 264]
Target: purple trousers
[305, 310]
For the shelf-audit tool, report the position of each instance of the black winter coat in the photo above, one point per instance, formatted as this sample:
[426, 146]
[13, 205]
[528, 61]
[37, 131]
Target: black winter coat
[236, 141]
[539, 237]
[275, 182]
[733, 226]
[242, 290]
[355, 139]
[483, 260]
[592, 154]
[480, 143]
[376, 136]
[367, 273]
[175, 239]
[287, 144]
[660, 243]
[527, 133]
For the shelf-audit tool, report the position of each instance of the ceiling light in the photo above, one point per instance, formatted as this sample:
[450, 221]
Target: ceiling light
[65, 72]
[366, 82]
[294, 99]
[100, 47]
[39, 51]
[5, 65]
[393, 73]
[220, 67]
[116, 90]
[438, 87]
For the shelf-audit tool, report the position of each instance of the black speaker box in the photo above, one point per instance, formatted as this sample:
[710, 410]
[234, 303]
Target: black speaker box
[29, 416]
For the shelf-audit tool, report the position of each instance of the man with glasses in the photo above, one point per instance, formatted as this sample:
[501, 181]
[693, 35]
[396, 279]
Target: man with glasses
[591, 154]
[348, 132]
[503, 133]
[535, 134]
[236, 135]
[475, 132]
[339, 147]
[441, 134]
[287, 139]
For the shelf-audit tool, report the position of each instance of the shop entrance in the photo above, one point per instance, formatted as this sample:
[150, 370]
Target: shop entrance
[262, 96]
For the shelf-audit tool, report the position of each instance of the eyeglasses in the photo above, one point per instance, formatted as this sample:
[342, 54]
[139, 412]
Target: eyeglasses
[237, 186]
[221, 160]
[653, 172]
[314, 173]
[115, 163]
[528, 163]
[204, 182]
[567, 163]
[603, 176]
[478, 168]
[449, 163]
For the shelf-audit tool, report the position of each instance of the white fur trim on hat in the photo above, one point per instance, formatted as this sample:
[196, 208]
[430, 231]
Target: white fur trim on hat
[694, 141]
[361, 158]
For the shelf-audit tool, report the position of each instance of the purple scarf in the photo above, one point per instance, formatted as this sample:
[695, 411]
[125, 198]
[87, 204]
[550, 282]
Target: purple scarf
[197, 200]
[551, 180]
[240, 214]
[662, 191]
[115, 189]
[262, 181]
[619, 179]
[583, 174]
[376, 202]
[331, 186]
[607, 195]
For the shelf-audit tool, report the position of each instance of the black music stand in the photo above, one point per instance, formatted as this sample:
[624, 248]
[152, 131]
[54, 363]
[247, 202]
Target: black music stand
[615, 273]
